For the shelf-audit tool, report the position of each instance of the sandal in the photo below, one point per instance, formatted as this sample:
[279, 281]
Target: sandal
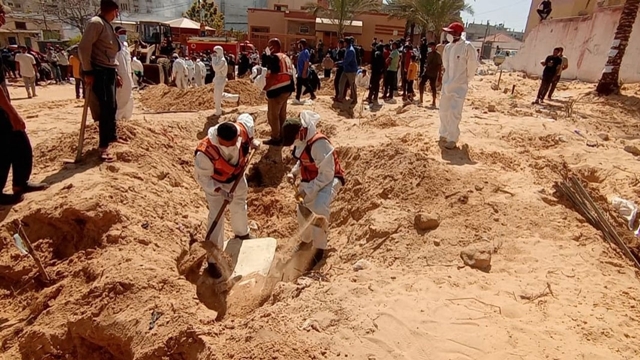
[106, 156]
[10, 199]
[29, 188]
[120, 140]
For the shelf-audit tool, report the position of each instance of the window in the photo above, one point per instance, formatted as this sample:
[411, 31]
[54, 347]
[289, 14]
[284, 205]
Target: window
[281, 7]
[12, 40]
[21, 25]
[260, 29]
[136, 9]
[124, 7]
[304, 29]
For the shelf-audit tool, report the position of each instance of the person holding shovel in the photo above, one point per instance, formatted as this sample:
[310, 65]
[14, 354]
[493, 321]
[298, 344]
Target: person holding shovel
[220, 159]
[321, 177]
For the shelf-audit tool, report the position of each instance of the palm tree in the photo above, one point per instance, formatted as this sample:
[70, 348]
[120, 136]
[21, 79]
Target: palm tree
[609, 82]
[429, 14]
[342, 12]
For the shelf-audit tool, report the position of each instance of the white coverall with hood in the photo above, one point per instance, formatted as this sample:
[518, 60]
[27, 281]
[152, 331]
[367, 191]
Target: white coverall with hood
[219, 64]
[179, 73]
[460, 64]
[124, 94]
[200, 72]
[191, 72]
[323, 189]
[238, 206]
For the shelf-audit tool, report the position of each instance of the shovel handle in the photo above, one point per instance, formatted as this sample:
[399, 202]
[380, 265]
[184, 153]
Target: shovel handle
[225, 203]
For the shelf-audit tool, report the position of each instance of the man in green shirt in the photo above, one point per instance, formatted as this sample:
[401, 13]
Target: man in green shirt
[391, 76]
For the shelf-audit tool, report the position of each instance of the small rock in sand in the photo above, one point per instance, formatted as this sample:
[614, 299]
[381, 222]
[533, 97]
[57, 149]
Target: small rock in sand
[426, 222]
[477, 256]
[361, 265]
[604, 136]
[632, 149]
[491, 108]
[436, 242]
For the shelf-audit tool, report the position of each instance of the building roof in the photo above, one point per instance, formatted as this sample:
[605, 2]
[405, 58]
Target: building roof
[501, 38]
[184, 23]
[333, 22]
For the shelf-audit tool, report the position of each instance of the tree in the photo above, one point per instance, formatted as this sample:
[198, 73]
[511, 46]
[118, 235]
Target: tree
[609, 82]
[429, 14]
[341, 12]
[75, 13]
[206, 13]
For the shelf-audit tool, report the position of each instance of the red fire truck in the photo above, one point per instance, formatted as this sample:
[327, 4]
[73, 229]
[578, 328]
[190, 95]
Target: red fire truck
[231, 46]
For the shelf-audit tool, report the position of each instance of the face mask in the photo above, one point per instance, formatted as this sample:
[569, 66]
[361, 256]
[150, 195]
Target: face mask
[228, 152]
[429, 50]
[123, 38]
[449, 37]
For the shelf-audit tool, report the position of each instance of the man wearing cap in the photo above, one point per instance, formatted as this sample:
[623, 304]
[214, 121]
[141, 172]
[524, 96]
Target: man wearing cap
[321, 177]
[98, 50]
[124, 94]
[278, 86]
[15, 148]
[220, 159]
[304, 58]
[460, 65]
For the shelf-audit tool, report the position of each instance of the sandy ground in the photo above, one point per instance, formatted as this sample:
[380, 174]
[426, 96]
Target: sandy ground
[110, 235]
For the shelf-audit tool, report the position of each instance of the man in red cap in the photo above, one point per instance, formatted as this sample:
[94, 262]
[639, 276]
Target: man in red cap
[460, 64]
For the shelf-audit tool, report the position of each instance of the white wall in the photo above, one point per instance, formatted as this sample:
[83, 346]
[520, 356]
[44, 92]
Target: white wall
[586, 42]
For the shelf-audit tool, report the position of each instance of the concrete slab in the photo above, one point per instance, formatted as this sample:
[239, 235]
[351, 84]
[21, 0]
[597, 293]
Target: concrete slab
[253, 256]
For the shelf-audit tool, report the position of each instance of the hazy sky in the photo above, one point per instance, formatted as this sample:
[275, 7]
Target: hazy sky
[513, 13]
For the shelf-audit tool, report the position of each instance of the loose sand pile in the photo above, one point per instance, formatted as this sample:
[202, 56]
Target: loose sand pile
[111, 235]
[161, 98]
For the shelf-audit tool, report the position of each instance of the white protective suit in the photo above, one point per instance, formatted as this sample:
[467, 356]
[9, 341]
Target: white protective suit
[259, 77]
[219, 65]
[124, 94]
[191, 72]
[136, 66]
[323, 189]
[200, 72]
[237, 207]
[179, 73]
[362, 81]
[460, 63]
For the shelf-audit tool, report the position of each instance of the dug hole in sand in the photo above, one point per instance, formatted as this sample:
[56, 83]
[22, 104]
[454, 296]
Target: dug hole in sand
[393, 286]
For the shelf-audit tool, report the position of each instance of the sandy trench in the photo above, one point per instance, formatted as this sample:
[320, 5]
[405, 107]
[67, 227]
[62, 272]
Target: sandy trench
[111, 234]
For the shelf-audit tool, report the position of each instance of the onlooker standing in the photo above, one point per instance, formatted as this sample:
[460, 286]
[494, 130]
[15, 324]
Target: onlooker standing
[377, 72]
[98, 49]
[52, 58]
[565, 65]
[407, 52]
[424, 51]
[412, 75]
[433, 67]
[544, 9]
[350, 65]
[76, 72]
[279, 86]
[63, 63]
[551, 64]
[15, 148]
[391, 76]
[339, 57]
[304, 59]
[327, 65]
[28, 70]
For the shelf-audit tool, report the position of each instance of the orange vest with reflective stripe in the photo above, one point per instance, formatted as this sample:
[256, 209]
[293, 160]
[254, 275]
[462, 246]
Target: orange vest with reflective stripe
[285, 76]
[308, 168]
[223, 171]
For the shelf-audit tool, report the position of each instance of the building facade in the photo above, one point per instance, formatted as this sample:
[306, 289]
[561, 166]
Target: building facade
[235, 12]
[25, 30]
[159, 9]
[477, 31]
[567, 9]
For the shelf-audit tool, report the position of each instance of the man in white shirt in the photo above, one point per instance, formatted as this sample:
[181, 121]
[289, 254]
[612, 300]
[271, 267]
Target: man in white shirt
[63, 63]
[28, 70]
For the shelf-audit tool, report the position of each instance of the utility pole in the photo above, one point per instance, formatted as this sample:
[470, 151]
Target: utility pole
[486, 33]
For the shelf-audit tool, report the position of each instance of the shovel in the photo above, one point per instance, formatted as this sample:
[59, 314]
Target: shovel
[198, 250]
[83, 125]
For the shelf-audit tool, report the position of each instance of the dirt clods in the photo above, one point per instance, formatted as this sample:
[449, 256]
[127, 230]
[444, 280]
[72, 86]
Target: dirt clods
[426, 222]
[478, 256]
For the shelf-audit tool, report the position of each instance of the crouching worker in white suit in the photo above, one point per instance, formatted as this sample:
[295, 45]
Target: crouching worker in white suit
[219, 160]
[219, 65]
[321, 176]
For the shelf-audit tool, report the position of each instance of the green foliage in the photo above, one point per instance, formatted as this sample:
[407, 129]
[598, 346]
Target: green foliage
[207, 13]
[75, 40]
[341, 12]
[429, 14]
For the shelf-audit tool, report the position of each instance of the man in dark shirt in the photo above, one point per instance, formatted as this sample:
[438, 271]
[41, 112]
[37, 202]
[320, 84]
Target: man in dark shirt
[377, 71]
[339, 68]
[544, 10]
[551, 64]
[431, 72]
[424, 50]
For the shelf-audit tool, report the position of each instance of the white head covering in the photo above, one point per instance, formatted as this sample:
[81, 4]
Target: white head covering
[309, 119]
[218, 50]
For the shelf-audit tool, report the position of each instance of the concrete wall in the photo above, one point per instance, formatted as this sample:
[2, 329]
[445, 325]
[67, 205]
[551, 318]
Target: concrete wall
[586, 41]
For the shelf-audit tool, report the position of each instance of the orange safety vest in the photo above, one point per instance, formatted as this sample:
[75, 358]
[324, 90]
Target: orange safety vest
[285, 76]
[308, 168]
[223, 171]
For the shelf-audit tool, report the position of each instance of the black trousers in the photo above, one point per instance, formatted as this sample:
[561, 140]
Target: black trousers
[104, 88]
[300, 82]
[336, 80]
[327, 73]
[544, 88]
[79, 85]
[16, 153]
[544, 14]
[390, 83]
[554, 83]
[374, 87]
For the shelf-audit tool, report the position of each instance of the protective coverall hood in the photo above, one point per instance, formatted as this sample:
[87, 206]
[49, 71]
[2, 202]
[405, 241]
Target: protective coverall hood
[309, 119]
[218, 51]
[228, 152]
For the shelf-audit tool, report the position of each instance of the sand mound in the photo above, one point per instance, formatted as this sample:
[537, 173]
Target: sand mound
[161, 98]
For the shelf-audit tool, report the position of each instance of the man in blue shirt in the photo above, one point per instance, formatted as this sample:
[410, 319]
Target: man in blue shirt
[304, 58]
[350, 65]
